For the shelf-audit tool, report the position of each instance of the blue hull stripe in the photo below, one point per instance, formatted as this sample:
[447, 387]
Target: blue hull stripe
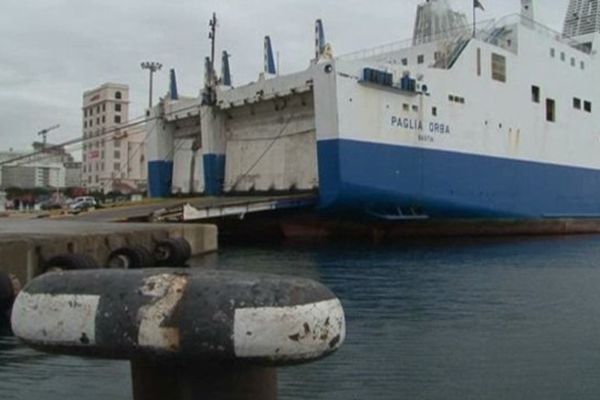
[160, 177]
[377, 178]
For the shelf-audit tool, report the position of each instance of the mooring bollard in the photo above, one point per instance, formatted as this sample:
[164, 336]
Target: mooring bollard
[188, 334]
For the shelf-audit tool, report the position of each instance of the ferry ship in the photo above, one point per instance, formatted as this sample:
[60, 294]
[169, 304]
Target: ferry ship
[495, 120]
[500, 121]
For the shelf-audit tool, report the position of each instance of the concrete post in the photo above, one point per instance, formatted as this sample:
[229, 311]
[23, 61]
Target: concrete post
[188, 334]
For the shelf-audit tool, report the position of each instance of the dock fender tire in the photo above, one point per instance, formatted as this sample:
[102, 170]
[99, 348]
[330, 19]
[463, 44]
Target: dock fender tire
[171, 252]
[67, 262]
[7, 292]
[185, 247]
[135, 257]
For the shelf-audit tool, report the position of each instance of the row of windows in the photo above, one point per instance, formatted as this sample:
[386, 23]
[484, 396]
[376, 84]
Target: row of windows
[99, 167]
[551, 104]
[408, 107]
[89, 112]
[456, 99]
[563, 57]
[587, 105]
[86, 124]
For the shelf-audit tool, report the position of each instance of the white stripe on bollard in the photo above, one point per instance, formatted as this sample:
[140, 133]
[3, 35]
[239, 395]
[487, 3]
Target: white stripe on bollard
[58, 319]
[308, 331]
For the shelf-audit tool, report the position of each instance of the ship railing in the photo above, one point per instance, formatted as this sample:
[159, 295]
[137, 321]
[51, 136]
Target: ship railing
[523, 21]
[379, 53]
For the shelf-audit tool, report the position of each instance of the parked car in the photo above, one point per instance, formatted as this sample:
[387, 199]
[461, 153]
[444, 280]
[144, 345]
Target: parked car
[83, 203]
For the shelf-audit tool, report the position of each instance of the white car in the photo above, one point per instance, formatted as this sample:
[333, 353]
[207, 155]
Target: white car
[83, 203]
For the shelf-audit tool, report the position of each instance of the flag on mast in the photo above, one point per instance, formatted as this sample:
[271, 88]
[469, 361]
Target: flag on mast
[477, 4]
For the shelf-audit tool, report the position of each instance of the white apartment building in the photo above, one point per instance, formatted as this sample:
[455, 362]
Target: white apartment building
[113, 153]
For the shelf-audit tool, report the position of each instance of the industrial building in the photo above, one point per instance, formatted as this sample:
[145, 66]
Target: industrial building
[49, 167]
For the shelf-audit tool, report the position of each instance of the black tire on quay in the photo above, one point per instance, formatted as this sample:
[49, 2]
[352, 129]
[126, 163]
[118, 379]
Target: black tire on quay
[7, 292]
[67, 262]
[135, 257]
[186, 248]
[174, 252]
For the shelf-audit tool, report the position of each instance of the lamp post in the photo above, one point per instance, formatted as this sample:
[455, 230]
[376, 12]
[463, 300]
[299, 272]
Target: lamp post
[152, 66]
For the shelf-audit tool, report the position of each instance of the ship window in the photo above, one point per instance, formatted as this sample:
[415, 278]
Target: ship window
[552, 53]
[451, 97]
[563, 57]
[550, 110]
[478, 62]
[587, 106]
[576, 103]
[535, 94]
[415, 108]
[582, 64]
[85, 124]
[498, 67]
[405, 107]
[118, 95]
[420, 59]
[572, 61]
[434, 111]
[405, 61]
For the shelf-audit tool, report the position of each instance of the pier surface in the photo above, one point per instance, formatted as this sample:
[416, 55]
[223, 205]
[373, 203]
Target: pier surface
[26, 244]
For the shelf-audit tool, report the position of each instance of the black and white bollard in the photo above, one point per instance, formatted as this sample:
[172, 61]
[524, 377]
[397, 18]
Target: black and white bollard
[188, 334]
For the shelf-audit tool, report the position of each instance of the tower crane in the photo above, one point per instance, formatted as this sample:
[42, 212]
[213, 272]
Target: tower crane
[44, 133]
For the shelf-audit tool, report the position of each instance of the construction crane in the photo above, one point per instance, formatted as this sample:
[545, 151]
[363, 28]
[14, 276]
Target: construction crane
[44, 133]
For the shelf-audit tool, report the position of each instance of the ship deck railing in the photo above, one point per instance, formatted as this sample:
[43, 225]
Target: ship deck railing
[485, 30]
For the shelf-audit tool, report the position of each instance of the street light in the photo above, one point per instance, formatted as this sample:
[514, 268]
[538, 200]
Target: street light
[152, 66]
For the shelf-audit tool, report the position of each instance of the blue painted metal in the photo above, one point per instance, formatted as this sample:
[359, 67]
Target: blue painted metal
[173, 85]
[319, 38]
[160, 176]
[382, 179]
[226, 71]
[269, 60]
[214, 173]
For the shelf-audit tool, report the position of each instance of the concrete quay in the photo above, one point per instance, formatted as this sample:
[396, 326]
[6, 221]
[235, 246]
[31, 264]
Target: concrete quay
[26, 244]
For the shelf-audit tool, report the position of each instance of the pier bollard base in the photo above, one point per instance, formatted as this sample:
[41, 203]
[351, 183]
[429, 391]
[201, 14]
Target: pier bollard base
[152, 381]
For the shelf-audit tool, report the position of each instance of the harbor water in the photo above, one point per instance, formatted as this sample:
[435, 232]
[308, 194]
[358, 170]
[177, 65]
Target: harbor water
[514, 318]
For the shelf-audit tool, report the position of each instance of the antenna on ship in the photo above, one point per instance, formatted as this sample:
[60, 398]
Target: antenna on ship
[225, 70]
[209, 65]
[269, 59]
[319, 39]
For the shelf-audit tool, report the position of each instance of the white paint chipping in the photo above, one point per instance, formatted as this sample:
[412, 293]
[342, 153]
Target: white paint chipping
[289, 333]
[56, 319]
[167, 289]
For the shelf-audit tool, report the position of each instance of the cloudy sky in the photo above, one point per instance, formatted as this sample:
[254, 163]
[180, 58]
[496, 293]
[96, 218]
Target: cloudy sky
[53, 50]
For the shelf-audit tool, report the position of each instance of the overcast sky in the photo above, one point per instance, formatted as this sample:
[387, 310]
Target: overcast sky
[53, 50]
